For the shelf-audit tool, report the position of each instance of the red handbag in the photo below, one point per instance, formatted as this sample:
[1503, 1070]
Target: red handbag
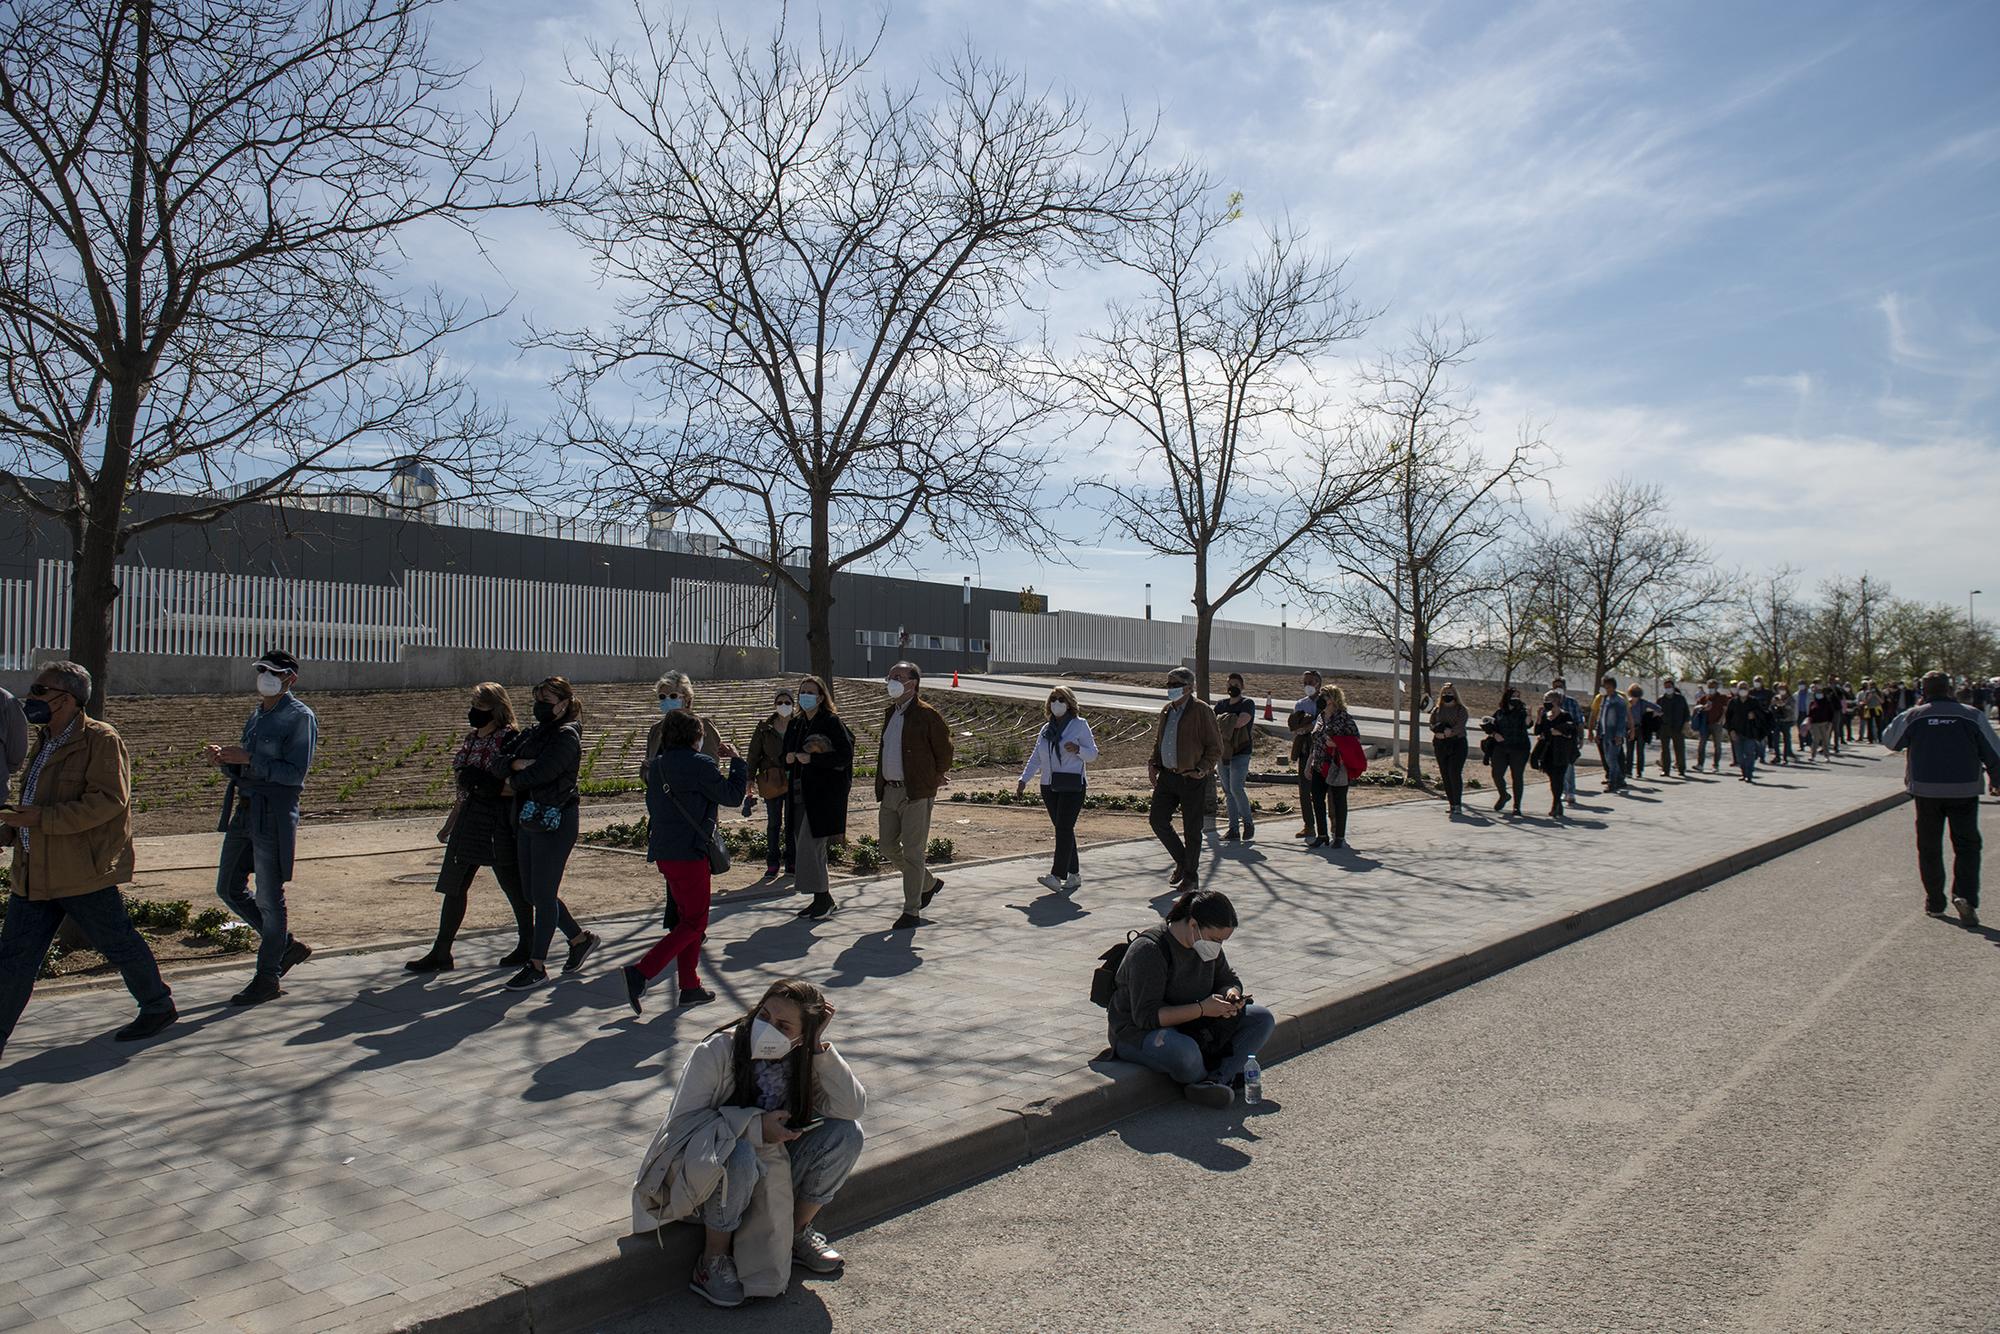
[1353, 756]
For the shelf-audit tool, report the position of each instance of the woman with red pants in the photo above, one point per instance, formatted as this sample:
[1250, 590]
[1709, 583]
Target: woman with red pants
[684, 789]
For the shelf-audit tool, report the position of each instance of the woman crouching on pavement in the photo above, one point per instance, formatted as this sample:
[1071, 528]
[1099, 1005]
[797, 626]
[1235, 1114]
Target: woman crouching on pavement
[763, 1132]
[1178, 1006]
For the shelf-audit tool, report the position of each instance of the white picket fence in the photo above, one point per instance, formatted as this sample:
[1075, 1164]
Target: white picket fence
[189, 613]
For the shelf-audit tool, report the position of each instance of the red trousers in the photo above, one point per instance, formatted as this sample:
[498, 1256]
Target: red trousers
[689, 887]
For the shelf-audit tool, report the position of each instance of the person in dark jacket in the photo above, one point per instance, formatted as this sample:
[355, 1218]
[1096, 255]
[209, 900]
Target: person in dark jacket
[1558, 739]
[1675, 715]
[1510, 723]
[479, 832]
[1642, 726]
[774, 784]
[1946, 746]
[1747, 723]
[819, 752]
[685, 790]
[541, 770]
[1179, 1007]
[1448, 742]
[1300, 723]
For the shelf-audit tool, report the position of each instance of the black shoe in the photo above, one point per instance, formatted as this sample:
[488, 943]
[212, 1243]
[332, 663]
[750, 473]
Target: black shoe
[770, 873]
[1340, 845]
[527, 979]
[635, 986]
[1968, 912]
[1319, 842]
[692, 997]
[1556, 811]
[1501, 804]
[146, 1025]
[1249, 831]
[262, 987]
[1933, 907]
[1176, 878]
[518, 959]
[930, 893]
[1231, 836]
[822, 906]
[909, 921]
[430, 963]
[579, 950]
[296, 953]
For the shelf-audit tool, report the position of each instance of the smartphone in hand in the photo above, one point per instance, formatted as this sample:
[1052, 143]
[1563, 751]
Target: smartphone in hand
[807, 1127]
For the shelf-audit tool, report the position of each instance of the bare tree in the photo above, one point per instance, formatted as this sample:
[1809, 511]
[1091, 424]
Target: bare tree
[1413, 555]
[814, 355]
[200, 292]
[1209, 370]
[1637, 575]
[1514, 593]
[1773, 620]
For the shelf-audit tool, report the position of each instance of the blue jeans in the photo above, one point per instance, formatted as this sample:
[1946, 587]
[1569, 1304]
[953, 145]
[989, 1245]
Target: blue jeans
[31, 926]
[1233, 771]
[263, 832]
[1569, 784]
[1178, 1056]
[1611, 749]
[1747, 750]
[822, 1160]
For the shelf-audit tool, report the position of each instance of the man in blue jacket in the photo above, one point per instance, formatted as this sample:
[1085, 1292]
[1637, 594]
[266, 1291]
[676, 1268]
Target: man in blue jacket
[260, 818]
[1946, 745]
[1613, 718]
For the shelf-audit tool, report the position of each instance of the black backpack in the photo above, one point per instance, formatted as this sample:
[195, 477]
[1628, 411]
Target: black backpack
[1104, 981]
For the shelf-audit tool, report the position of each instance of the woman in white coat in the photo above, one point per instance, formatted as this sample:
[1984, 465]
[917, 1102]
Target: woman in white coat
[763, 1132]
[1062, 748]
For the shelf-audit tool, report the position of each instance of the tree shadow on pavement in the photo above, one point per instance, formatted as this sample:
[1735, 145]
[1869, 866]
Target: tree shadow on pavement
[622, 1055]
[97, 1055]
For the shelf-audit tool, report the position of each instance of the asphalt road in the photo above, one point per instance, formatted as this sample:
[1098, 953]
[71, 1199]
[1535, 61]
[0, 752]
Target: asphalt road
[1769, 1106]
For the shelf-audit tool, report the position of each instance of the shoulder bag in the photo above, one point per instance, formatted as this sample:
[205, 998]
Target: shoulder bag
[718, 851]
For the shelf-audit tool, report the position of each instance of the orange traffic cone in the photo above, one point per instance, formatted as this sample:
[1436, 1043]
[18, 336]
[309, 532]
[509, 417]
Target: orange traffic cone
[1267, 709]
[954, 680]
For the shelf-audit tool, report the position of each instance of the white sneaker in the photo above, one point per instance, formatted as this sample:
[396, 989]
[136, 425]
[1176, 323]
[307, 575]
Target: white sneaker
[1051, 883]
[716, 1282]
[1073, 884]
[811, 1250]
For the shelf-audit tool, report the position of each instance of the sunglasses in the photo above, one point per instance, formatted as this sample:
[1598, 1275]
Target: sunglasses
[263, 670]
[38, 690]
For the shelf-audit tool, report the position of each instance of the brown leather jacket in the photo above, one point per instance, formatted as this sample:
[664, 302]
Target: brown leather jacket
[927, 751]
[84, 842]
[1197, 743]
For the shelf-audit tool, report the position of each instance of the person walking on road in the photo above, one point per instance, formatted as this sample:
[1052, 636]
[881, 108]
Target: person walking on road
[763, 1132]
[1712, 706]
[71, 832]
[479, 832]
[541, 771]
[1304, 716]
[1642, 726]
[774, 784]
[1574, 708]
[1061, 750]
[1784, 721]
[1557, 740]
[1516, 745]
[1946, 746]
[1179, 1008]
[13, 741]
[267, 770]
[1820, 713]
[1748, 722]
[1449, 744]
[1235, 718]
[1337, 760]
[1674, 718]
[915, 762]
[684, 793]
[1186, 748]
[1609, 721]
[819, 754]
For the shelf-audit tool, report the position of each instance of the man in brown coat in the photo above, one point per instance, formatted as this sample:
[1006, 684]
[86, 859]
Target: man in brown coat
[71, 831]
[915, 761]
[1187, 745]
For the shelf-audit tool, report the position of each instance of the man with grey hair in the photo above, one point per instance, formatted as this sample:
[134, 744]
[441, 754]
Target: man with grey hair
[1187, 745]
[915, 761]
[71, 831]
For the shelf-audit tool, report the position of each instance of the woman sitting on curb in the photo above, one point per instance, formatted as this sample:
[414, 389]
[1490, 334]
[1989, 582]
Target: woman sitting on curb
[1178, 1007]
[763, 1132]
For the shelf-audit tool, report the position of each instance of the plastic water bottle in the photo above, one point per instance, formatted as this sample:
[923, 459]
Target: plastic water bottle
[1253, 1083]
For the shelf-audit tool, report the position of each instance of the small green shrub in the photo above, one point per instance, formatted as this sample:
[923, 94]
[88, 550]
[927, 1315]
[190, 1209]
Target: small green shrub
[940, 850]
[158, 917]
[958, 796]
[865, 860]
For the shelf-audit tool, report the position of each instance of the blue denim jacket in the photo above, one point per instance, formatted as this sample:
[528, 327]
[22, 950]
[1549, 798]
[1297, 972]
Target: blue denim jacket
[280, 742]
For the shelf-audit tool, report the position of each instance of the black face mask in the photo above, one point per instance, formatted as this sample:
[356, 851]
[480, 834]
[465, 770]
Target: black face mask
[37, 711]
[1236, 690]
[479, 717]
[545, 712]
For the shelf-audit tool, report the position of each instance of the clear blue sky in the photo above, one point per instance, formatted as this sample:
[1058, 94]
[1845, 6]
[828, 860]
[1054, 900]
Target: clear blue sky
[1743, 250]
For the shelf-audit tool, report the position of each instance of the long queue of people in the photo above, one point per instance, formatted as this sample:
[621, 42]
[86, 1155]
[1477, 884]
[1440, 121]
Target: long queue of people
[764, 1127]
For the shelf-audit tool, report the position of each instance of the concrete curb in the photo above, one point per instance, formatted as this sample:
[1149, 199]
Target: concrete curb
[597, 1282]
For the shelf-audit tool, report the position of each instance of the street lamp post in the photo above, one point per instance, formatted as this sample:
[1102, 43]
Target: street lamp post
[965, 621]
[1971, 620]
[1149, 602]
[1285, 634]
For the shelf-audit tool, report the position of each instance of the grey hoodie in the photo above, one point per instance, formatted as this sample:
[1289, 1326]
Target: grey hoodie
[1945, 744]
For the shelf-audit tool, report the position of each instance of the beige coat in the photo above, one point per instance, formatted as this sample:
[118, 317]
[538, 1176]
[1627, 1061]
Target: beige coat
[84, 842]
[683, 1165]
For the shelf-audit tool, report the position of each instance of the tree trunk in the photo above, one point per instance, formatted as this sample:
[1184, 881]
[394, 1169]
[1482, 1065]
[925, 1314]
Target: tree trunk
[92, 591]
[1420, 675]
[1204, 633]
[819, 594]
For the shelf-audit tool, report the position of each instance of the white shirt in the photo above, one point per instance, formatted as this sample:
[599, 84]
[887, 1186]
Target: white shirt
[1057, 760]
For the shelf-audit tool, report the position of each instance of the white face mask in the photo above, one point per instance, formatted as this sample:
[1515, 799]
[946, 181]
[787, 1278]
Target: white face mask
[784, 710]
[895, 689]
[1173, 694]
[767, 1043]
[1208, 951]
[1058, 708]
[268, 685]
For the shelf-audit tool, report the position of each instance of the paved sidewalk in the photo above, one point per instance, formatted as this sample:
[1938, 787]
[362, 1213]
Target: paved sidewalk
[374, 1146]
